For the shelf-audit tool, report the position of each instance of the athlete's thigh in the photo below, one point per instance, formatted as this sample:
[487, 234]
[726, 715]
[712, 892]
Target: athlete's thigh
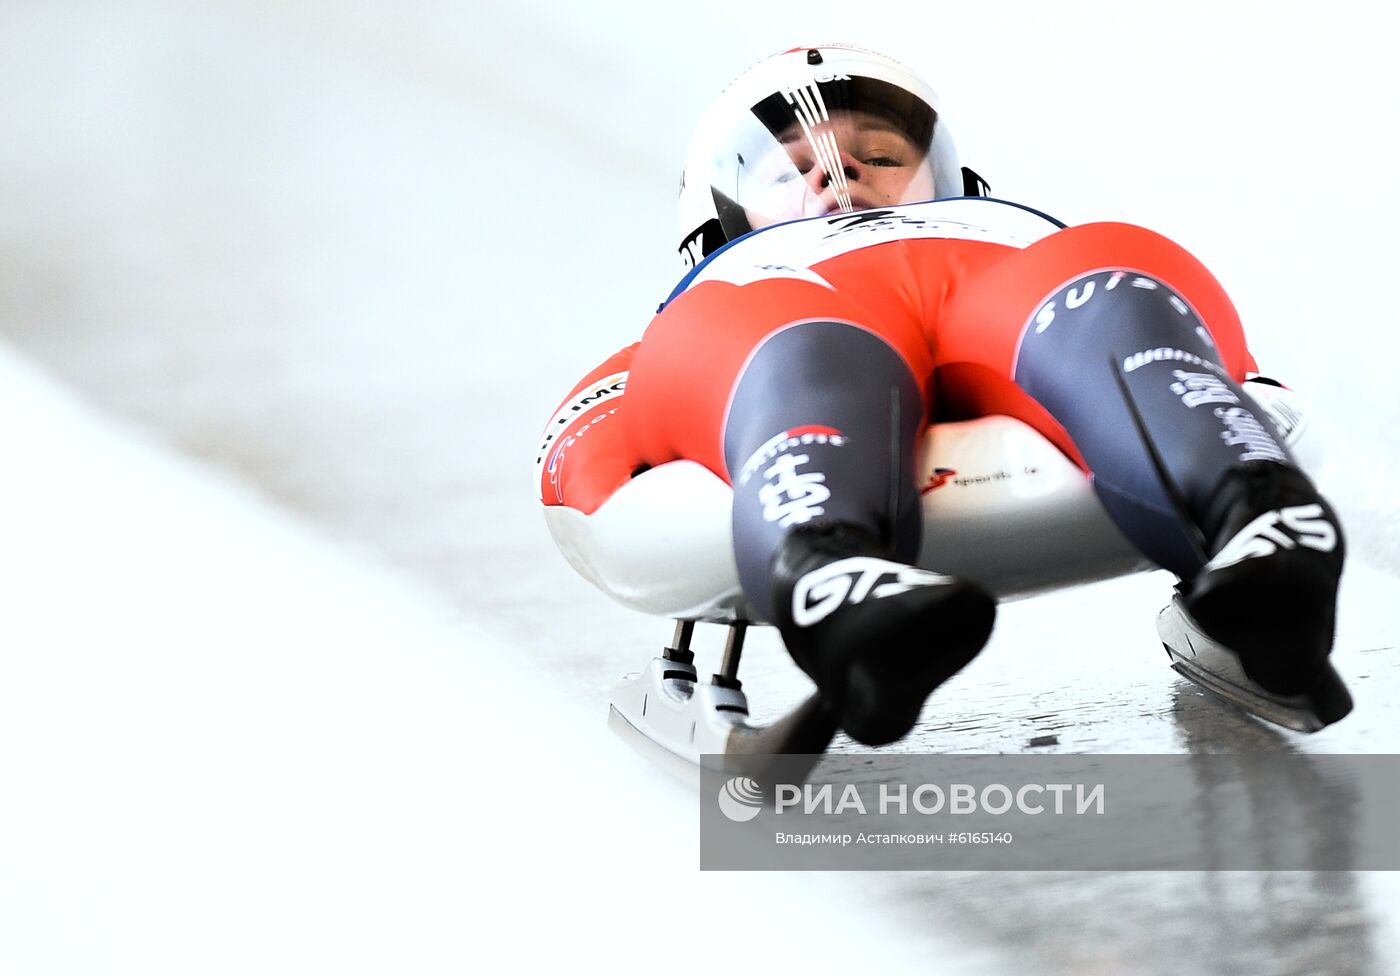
[980, 330]
[695, 349]
[994, 306]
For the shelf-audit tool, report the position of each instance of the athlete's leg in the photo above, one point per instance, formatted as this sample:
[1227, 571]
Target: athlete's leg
[1137, 353]
[807, 403]
[822, 426]
[811, 406]
[1076, 315]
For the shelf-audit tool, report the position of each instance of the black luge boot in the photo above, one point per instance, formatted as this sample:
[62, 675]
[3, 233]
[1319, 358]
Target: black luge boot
[876, 636]
[1269, 591]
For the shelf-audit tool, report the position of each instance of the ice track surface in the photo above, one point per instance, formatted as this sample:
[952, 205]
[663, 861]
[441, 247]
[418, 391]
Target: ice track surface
[279, 712]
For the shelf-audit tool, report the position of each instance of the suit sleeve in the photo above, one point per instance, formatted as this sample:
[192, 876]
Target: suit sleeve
[583, 456]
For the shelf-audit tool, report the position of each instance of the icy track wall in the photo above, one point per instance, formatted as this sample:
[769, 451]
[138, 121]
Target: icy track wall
[358, 255]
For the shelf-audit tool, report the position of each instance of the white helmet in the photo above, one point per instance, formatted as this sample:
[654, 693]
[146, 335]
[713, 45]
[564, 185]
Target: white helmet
[811, 131]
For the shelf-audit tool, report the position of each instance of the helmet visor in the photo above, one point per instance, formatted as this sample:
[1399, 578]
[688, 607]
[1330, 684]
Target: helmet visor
[824, 147]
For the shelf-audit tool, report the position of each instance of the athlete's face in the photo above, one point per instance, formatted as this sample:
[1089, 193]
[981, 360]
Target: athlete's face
[855, 161]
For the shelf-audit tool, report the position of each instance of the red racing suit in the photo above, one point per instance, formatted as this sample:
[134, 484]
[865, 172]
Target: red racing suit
[1097, 336]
